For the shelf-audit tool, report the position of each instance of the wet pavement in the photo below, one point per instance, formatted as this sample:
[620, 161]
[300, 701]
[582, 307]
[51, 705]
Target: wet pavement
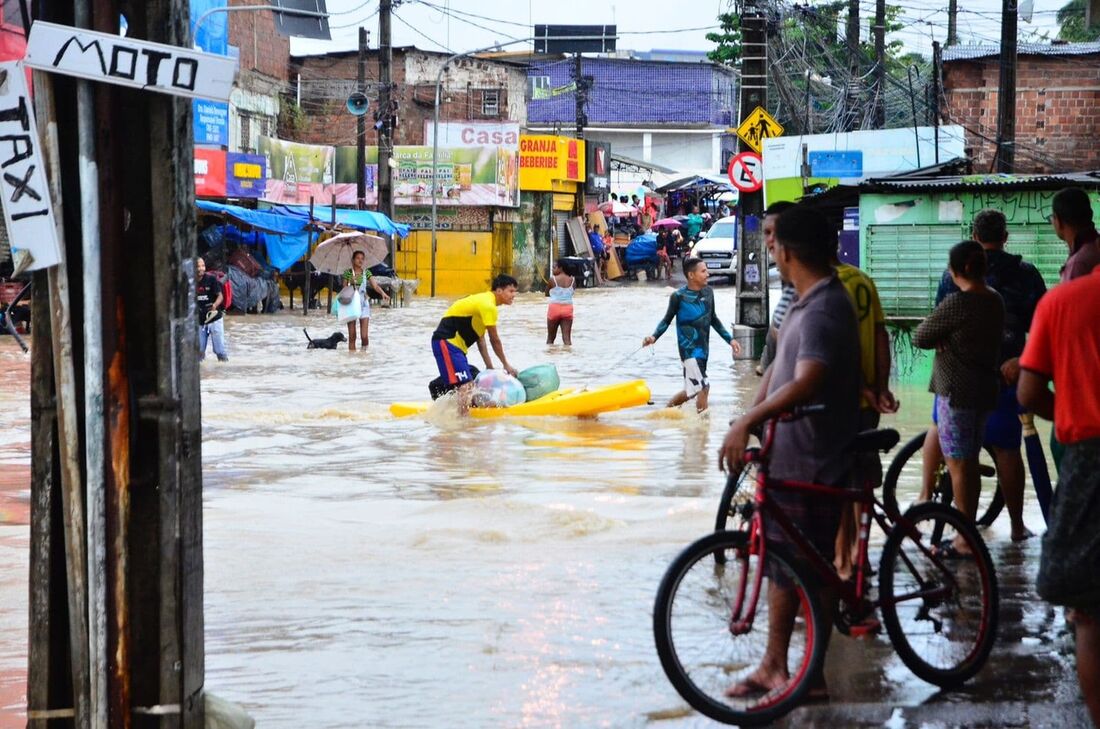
[432, 571]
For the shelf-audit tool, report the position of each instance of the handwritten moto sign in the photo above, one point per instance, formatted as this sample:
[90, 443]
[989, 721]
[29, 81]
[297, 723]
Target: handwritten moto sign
[24, 193]
[129, 62]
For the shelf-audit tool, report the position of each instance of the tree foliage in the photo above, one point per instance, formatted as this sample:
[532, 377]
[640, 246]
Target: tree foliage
[728, 40]
[1071, 23]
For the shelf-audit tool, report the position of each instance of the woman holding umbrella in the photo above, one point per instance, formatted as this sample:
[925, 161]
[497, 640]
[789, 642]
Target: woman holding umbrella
[359, 251]
[358, 277]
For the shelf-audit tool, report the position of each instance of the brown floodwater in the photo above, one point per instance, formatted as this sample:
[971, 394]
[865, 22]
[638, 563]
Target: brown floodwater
[432, 571]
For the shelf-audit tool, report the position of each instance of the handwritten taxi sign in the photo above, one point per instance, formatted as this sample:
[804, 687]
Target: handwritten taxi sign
[758, 126]
[128, 62]
[28, 211]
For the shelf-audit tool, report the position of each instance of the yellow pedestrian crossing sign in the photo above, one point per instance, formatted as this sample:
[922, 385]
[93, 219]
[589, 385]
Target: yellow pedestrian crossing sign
[758, 126]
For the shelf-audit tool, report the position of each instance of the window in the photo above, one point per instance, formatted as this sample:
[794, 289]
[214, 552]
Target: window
[490, 102]
[538, 87]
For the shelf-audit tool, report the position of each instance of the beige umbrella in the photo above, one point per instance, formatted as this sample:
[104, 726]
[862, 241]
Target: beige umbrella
[334, 255]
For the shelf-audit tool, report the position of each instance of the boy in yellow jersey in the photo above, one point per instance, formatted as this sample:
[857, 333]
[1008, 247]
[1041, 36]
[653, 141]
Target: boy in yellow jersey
[464, 324]
[876, 398]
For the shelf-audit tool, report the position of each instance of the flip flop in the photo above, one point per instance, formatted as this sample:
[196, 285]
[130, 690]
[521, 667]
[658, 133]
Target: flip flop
[946, 550]
[746, 688]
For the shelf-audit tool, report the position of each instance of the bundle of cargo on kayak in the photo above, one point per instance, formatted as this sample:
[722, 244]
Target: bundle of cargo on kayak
[536, 392]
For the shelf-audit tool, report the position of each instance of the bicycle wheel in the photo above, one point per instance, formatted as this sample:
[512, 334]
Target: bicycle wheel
[905, 475]
[700, 653]
[943, 638]
[735, 506]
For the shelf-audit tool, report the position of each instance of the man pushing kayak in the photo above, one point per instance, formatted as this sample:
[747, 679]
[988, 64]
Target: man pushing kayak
[465, 323]
[693, 308]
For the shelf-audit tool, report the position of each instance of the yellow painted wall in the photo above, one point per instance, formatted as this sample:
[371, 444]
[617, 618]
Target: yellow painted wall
[464, 262]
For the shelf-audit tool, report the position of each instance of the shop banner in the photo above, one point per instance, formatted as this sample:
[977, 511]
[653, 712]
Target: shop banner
[465, 176]
[245, 175]
[544, 159]
[211, 118]
[296, 172]
[474, 134]
[597, 167]
[209, 173]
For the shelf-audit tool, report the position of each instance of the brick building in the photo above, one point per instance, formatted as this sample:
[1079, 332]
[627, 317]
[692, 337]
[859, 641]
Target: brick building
[256, 99]
[473, 90]
[1057, 104]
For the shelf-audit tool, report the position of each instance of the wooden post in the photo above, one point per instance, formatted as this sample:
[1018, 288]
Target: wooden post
[328, 310]
[68, 434]
[46, 579]
[308, 284]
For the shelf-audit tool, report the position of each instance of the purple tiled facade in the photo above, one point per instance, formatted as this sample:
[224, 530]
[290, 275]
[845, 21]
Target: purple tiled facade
[636, 92]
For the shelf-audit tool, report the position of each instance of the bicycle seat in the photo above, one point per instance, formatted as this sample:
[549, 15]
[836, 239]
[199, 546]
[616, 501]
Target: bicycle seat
[874, 440]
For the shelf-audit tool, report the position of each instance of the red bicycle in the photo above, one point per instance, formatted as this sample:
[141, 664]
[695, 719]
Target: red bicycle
[938, 599]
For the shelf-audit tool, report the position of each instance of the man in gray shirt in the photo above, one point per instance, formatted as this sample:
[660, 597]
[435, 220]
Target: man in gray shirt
[817, 362]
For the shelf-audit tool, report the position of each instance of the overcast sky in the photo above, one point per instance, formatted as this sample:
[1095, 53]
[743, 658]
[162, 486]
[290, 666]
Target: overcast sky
[643, 24]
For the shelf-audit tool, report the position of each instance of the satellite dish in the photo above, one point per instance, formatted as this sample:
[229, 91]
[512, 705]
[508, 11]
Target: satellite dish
[358, 103]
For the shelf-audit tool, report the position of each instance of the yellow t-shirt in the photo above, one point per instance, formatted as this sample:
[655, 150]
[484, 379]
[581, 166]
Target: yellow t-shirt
[465, 321]
[869, 314]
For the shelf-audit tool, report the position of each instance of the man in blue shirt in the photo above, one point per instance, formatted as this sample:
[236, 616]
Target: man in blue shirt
[693, 308]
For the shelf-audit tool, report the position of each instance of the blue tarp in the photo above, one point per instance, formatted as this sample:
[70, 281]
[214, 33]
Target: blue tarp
[266, 221]
[642, 250]
[361, 219]
[284, 236]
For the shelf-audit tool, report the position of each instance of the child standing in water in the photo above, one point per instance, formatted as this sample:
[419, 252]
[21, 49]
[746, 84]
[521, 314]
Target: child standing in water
[560, 289]
[693, 308]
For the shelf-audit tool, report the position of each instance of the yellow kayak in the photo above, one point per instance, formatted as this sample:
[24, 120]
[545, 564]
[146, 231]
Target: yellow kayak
[567, 403]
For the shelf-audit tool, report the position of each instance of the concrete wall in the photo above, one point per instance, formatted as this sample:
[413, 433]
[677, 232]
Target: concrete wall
[1057, 110]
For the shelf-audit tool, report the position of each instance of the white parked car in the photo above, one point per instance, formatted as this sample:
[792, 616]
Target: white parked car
[718, 248]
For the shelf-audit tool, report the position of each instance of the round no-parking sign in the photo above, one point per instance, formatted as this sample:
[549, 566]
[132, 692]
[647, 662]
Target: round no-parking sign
[746, 172]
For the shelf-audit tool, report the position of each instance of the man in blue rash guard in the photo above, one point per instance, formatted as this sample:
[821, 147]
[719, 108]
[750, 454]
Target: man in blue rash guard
[693, 307]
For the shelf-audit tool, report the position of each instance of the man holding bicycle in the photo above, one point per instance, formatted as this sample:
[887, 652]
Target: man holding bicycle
[817, 362]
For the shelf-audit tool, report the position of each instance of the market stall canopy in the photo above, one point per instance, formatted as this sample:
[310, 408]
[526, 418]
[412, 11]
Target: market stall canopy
[285, 237]
[265, 221]
[359, 219]
[712, 182]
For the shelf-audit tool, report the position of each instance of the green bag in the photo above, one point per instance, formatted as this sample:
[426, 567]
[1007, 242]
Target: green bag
[539, 381]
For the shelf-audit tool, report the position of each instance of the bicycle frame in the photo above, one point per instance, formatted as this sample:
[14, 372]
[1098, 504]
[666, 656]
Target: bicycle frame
[851, 594]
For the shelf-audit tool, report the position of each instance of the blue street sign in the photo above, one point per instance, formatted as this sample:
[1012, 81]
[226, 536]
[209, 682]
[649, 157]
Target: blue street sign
[836, 164]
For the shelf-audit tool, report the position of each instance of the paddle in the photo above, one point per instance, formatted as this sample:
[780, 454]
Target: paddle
[1037, 464]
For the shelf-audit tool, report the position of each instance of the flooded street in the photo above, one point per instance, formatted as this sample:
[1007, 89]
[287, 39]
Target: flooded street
[437, 571]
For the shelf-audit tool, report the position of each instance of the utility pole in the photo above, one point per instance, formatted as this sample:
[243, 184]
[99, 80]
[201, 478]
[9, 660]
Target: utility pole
[385, 113]
[1006, 95]
[879, 119]
[1092, 13]
[751, 319]
[579, 96]
[361, 129]
[852, 92]
[937, 67]
[952, 23]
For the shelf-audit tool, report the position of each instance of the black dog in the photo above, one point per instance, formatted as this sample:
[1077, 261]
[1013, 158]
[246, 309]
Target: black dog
[328, 342]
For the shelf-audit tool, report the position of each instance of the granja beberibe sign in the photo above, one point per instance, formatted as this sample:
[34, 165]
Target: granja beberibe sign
[544, 159]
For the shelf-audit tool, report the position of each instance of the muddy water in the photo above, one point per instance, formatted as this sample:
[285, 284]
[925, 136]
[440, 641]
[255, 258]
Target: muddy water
[432, 571]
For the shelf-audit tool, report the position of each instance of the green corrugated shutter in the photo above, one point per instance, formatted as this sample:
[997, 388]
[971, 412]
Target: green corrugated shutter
[907, 261]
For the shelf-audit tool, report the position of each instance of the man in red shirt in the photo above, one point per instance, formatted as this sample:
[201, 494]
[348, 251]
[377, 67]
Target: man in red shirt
[1064, 347]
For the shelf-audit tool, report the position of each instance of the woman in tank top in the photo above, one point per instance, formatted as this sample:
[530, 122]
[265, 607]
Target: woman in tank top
[560, 289]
